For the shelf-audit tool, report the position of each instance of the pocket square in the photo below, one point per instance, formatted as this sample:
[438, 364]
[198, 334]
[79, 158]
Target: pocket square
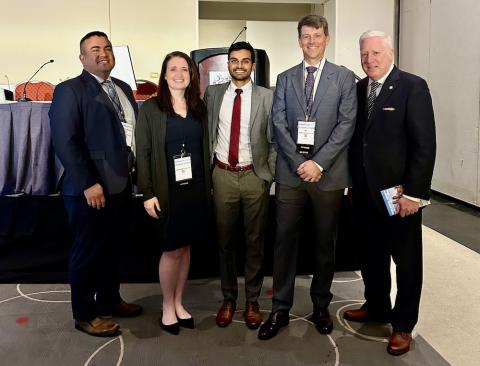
[388, 108]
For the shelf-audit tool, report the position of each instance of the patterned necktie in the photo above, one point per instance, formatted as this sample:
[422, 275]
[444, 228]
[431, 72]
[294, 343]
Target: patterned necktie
[371, 97]
[112, 94]
[235, 129]
[309, 83]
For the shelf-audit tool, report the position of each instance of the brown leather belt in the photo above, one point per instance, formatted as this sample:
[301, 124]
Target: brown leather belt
[235, 169]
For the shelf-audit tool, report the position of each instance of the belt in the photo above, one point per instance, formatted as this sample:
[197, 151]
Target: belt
[235, 169]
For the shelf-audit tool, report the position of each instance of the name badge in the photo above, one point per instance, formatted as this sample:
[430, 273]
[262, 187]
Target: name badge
[128, 128]
[306, 133]
[305, 137]
[183, 168]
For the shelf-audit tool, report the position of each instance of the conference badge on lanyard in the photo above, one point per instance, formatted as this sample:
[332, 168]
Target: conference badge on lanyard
[128, 129]
[305, 136]
[183, 167]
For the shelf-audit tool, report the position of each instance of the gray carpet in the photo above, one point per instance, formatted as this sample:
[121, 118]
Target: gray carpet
[36, 329]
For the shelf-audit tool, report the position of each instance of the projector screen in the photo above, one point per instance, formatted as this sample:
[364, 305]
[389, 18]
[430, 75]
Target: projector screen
[123, 69]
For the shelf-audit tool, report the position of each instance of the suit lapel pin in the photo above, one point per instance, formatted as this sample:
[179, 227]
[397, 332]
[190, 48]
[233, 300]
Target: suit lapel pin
[390, 87]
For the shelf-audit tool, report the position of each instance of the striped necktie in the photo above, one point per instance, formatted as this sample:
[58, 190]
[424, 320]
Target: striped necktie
[372, 96]
[112, 94]
[309, 83]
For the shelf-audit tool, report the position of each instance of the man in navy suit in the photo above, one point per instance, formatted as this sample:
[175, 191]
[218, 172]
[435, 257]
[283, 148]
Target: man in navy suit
[313, 117]
[393, 146]
[92, 118]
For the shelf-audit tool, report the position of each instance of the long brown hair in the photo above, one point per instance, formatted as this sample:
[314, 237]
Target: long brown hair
[192, 92]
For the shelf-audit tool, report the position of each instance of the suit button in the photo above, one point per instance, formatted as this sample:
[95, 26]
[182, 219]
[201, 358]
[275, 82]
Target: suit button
[365, 145]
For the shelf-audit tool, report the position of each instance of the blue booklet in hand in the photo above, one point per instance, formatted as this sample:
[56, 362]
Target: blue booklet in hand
[390, 198]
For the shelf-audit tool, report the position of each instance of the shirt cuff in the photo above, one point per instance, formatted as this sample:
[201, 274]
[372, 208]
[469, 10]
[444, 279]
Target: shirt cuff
[421, 203]
[318, 165]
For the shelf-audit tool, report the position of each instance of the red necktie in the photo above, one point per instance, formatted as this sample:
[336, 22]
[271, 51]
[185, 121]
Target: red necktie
[235, 129]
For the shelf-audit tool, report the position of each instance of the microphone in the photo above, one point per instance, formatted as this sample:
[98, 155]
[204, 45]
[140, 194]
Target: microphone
[243, 30]
[8, 81]
[24, 94]
[7, 92]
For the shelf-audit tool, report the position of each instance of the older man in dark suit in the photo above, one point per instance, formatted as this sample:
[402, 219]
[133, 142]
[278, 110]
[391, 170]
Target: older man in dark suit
[393, 146]
[313, 116]
[92, 118]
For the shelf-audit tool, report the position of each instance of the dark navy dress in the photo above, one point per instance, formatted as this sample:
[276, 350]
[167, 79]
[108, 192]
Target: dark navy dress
[187, 207]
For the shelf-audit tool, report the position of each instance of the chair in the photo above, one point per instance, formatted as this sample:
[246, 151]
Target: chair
[36, 90]
[145, 89]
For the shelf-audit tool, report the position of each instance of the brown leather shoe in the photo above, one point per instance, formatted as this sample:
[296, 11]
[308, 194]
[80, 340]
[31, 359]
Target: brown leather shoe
[252, 315]
[122, 309]
[356, 315]
[362, 316]
[225, 313]
[399, 343]
[99, 327]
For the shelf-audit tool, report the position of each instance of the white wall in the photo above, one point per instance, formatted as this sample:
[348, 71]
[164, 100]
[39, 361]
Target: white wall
[446, 51]
[220, 33]
[414, 40]
[33, 32]
[350, 19]
[280, 41]
[330, 12]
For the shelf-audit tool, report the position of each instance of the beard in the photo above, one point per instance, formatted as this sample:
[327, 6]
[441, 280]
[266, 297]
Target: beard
[243, 77]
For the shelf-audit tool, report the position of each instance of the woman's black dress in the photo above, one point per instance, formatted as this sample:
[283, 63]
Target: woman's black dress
[186, 223]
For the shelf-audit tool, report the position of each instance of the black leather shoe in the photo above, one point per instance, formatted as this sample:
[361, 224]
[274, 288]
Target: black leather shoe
[270, 328]
[171, 328]
[186, 323]
[322, 320]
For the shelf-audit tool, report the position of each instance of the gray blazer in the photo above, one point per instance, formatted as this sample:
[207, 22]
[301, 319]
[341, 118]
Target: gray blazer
[263, 153]
[334, 109]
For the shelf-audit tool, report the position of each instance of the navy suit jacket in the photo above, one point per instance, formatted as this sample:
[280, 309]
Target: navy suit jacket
[396, 145]
[88, 136]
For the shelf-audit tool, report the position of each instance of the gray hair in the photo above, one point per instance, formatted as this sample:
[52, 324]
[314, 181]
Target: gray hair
[376, 33]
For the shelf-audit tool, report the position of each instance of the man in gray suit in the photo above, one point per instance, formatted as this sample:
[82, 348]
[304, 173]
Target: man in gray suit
[244, 158]
[313, 120]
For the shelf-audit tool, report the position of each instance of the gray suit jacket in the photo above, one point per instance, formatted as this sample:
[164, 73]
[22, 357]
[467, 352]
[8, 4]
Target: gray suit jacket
[263, 153]
[334, 109]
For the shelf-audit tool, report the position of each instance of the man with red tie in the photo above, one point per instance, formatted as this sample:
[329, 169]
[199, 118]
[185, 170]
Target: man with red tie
[244, 163]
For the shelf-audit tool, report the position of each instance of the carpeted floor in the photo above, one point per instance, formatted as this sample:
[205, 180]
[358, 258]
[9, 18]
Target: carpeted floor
[36, 329]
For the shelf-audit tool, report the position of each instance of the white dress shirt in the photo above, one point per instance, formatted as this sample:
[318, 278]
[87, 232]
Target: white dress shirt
[225, 121]
[381, 81]
[128, 110]
[317, 74]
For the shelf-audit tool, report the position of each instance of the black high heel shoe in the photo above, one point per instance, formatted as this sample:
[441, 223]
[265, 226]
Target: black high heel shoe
[171, 328]
[186, 323]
